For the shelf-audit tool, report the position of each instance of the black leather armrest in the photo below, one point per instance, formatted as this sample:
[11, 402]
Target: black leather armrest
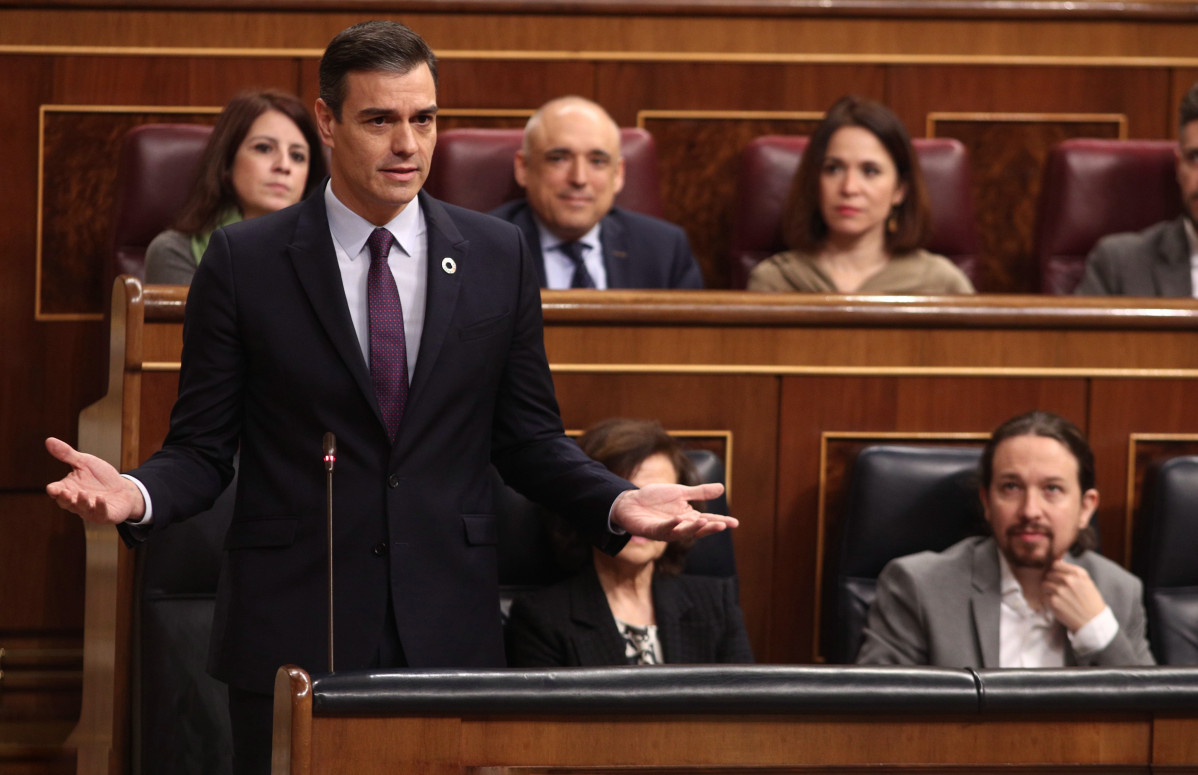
[762, 689]
[1089, 689]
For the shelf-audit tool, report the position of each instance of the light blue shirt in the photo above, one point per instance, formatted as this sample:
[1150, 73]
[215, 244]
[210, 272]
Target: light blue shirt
[559, 268]
[408, 261]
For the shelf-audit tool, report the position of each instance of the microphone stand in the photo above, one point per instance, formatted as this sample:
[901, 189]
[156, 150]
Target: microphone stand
[330, 457]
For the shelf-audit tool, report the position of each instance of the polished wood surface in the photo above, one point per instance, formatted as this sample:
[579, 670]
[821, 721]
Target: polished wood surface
[1086, 9]
[1027, 31]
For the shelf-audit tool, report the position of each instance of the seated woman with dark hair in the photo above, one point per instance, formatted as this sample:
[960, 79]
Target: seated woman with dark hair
[636, 607]
[857, 214]
[264, 154]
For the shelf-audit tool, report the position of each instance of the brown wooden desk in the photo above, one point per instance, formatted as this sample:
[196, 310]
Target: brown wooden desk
[735, 719]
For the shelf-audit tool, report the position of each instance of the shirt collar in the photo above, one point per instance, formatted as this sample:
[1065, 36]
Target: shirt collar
[352, 230]
[1012, 593]
[549, 241]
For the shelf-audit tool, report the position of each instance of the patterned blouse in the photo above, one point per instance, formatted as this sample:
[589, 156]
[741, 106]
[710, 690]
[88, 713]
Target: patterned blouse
[641, 646]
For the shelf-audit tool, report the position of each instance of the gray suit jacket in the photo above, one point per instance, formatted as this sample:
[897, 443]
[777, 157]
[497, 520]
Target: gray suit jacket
[1152, 262]
[942, 609]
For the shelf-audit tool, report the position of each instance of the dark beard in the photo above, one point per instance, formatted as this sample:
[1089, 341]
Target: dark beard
[1017, 561]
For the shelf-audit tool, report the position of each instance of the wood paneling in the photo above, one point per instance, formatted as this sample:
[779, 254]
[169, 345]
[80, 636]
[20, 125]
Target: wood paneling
[1120, 409]
[700, 159]
[26, 354]
[1007, 158]
[79, 172]
[41, 575]
[39, 595]
[488, 83]
[790, 34]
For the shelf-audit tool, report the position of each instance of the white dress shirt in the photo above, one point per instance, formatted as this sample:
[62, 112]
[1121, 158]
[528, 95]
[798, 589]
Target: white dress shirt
[1029, 638]
[408, 261]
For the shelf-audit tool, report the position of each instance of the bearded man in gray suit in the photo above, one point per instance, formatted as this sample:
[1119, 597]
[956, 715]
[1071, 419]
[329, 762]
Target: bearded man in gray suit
[1033, 594]
[1161, 260]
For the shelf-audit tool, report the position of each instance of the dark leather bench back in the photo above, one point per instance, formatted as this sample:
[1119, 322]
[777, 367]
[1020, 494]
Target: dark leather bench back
[902, 500]
[1164, 559]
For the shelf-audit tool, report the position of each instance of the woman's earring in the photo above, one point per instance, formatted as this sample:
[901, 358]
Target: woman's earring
[892, 222]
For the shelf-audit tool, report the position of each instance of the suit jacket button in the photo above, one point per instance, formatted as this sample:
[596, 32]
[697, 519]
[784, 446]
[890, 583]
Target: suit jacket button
[393, 480]
[379, 549]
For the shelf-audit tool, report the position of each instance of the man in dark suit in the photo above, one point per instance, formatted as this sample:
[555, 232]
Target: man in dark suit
[1162, 259]
[571, 169]
[310, 320]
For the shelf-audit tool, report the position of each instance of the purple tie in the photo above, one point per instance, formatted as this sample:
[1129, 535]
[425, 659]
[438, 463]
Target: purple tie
[388, 346]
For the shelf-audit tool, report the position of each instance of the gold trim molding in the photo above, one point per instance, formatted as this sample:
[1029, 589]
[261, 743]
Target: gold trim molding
[685, 57]
[1119, 119]
[869, 371]
[642, 116]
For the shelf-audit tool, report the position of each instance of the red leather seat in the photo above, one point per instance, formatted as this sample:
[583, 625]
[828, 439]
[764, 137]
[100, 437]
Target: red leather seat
[1093, 188]
[768, 165]
[155, 171]
[473, 168]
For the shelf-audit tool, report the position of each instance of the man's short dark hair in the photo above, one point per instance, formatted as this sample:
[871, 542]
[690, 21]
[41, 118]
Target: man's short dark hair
[373, 45]
[1189, 108]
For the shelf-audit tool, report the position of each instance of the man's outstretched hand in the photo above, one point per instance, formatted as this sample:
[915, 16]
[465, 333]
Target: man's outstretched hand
[663, 512]
[93, 489]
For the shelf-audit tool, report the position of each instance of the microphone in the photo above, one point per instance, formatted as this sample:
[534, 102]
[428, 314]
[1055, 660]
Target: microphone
[330, 451]
[330, 457]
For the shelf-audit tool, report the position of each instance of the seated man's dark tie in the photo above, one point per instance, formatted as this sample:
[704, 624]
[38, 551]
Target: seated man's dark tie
[388, 345]
[582, 278]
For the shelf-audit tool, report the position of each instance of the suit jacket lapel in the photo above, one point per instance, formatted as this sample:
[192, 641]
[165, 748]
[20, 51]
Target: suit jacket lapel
[1171, 274]
[523, 218]
[445, 244]
[671, 606]
[599, 641]
[984, 602]
[315, 261]
[615, 252]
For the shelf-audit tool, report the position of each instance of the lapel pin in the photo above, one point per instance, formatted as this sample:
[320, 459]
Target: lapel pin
[448, 265]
